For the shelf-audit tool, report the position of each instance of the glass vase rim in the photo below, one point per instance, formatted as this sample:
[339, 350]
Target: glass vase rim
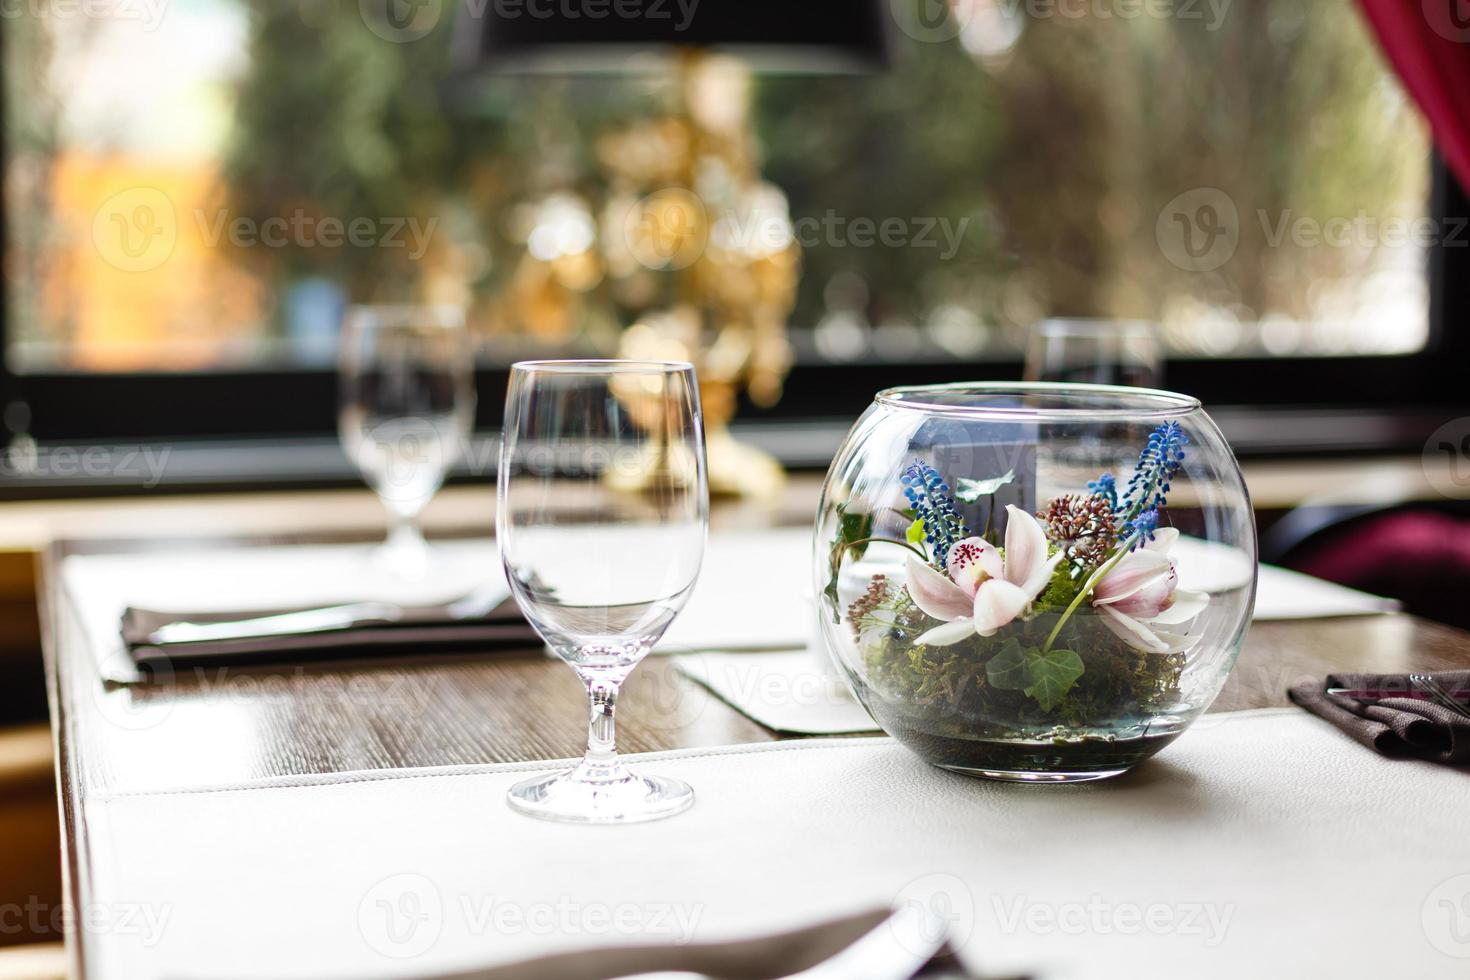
[602, 365]
[1132, 403]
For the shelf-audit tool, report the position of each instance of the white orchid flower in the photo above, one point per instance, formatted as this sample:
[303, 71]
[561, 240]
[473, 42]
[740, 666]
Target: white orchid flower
[1140, 593]
[983, 591]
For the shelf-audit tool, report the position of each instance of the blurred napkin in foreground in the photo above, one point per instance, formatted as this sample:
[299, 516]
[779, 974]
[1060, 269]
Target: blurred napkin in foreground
[880, 945]
[1408, 724]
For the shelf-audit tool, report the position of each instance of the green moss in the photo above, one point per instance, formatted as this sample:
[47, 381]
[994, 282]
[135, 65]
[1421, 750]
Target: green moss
[948, 685]
[1060, 591]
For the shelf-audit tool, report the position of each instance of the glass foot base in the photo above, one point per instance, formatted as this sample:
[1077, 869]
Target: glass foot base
[1007, 776]
[600, 795]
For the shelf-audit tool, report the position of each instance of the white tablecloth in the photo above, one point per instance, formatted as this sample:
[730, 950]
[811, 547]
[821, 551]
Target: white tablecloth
[1261, 843]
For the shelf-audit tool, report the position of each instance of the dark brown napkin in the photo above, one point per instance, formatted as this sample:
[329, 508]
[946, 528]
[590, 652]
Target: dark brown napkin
[751, 959]
[1400, 726]
[428, 628]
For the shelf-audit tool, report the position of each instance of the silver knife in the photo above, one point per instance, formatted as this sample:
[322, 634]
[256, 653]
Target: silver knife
[475, 605]
[280, 624]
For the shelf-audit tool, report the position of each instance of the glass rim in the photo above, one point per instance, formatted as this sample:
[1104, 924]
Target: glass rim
[1133, 403]
[604, 365]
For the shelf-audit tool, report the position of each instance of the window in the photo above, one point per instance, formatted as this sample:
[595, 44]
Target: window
[195, 189]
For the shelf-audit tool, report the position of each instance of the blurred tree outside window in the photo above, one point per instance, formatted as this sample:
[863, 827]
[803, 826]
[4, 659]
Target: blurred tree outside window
[204, 184]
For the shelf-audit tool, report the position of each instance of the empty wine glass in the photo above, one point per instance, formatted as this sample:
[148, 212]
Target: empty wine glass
[601, 570]
[407, 406]
[1087, 351]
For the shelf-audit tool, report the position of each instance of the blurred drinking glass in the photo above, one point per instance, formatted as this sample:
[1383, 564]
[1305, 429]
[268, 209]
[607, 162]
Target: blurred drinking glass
[407, 408]
[1108, 352]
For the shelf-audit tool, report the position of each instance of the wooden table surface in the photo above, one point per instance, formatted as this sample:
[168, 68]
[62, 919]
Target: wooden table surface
[226, 726]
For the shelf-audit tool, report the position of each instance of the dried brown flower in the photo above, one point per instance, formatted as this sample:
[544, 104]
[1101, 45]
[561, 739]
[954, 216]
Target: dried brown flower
[875, 596]
[1083, 527]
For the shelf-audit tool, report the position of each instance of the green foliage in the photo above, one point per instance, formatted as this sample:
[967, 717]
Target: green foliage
[1003, 684]
[1044, 677]
[1051, 675]
[853, 530]
[1155, 106]
[1007, 669]
[1060, 591]
[915, 533]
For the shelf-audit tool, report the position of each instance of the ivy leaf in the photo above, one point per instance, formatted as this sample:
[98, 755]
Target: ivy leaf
[1007, 670]
[915, 533]
[970, 491]
[1051, 676]
[851, 529]
[1044, 677]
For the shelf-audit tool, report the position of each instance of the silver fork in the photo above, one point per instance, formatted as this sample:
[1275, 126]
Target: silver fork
[1436, 690]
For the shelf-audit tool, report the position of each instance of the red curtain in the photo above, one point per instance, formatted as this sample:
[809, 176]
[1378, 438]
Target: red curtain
[1428, 42]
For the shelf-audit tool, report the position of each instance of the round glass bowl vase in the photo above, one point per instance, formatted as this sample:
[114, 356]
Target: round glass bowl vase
[1038, 582]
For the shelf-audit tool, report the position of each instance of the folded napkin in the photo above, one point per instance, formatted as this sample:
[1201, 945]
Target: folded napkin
[887, 944]
[1393, 726]
[440, 627]
[796, 692]
[209, 584]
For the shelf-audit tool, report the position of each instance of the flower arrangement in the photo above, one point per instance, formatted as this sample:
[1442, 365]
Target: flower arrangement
[1075, 615]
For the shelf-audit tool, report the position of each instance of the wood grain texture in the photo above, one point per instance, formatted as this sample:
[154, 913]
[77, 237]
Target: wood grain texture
[209, 726]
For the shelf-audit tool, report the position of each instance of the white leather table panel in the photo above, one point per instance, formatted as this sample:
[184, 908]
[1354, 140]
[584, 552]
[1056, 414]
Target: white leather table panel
[1261, 843]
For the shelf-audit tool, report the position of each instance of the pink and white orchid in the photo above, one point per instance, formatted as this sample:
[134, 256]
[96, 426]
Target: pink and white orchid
[1141, 593]
[983, 590]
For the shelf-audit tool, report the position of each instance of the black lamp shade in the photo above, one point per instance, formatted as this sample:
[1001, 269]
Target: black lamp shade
[557, 36]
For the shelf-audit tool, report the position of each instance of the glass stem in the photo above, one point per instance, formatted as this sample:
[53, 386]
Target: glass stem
[404, 553]
[602, 697]
[404, 533]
